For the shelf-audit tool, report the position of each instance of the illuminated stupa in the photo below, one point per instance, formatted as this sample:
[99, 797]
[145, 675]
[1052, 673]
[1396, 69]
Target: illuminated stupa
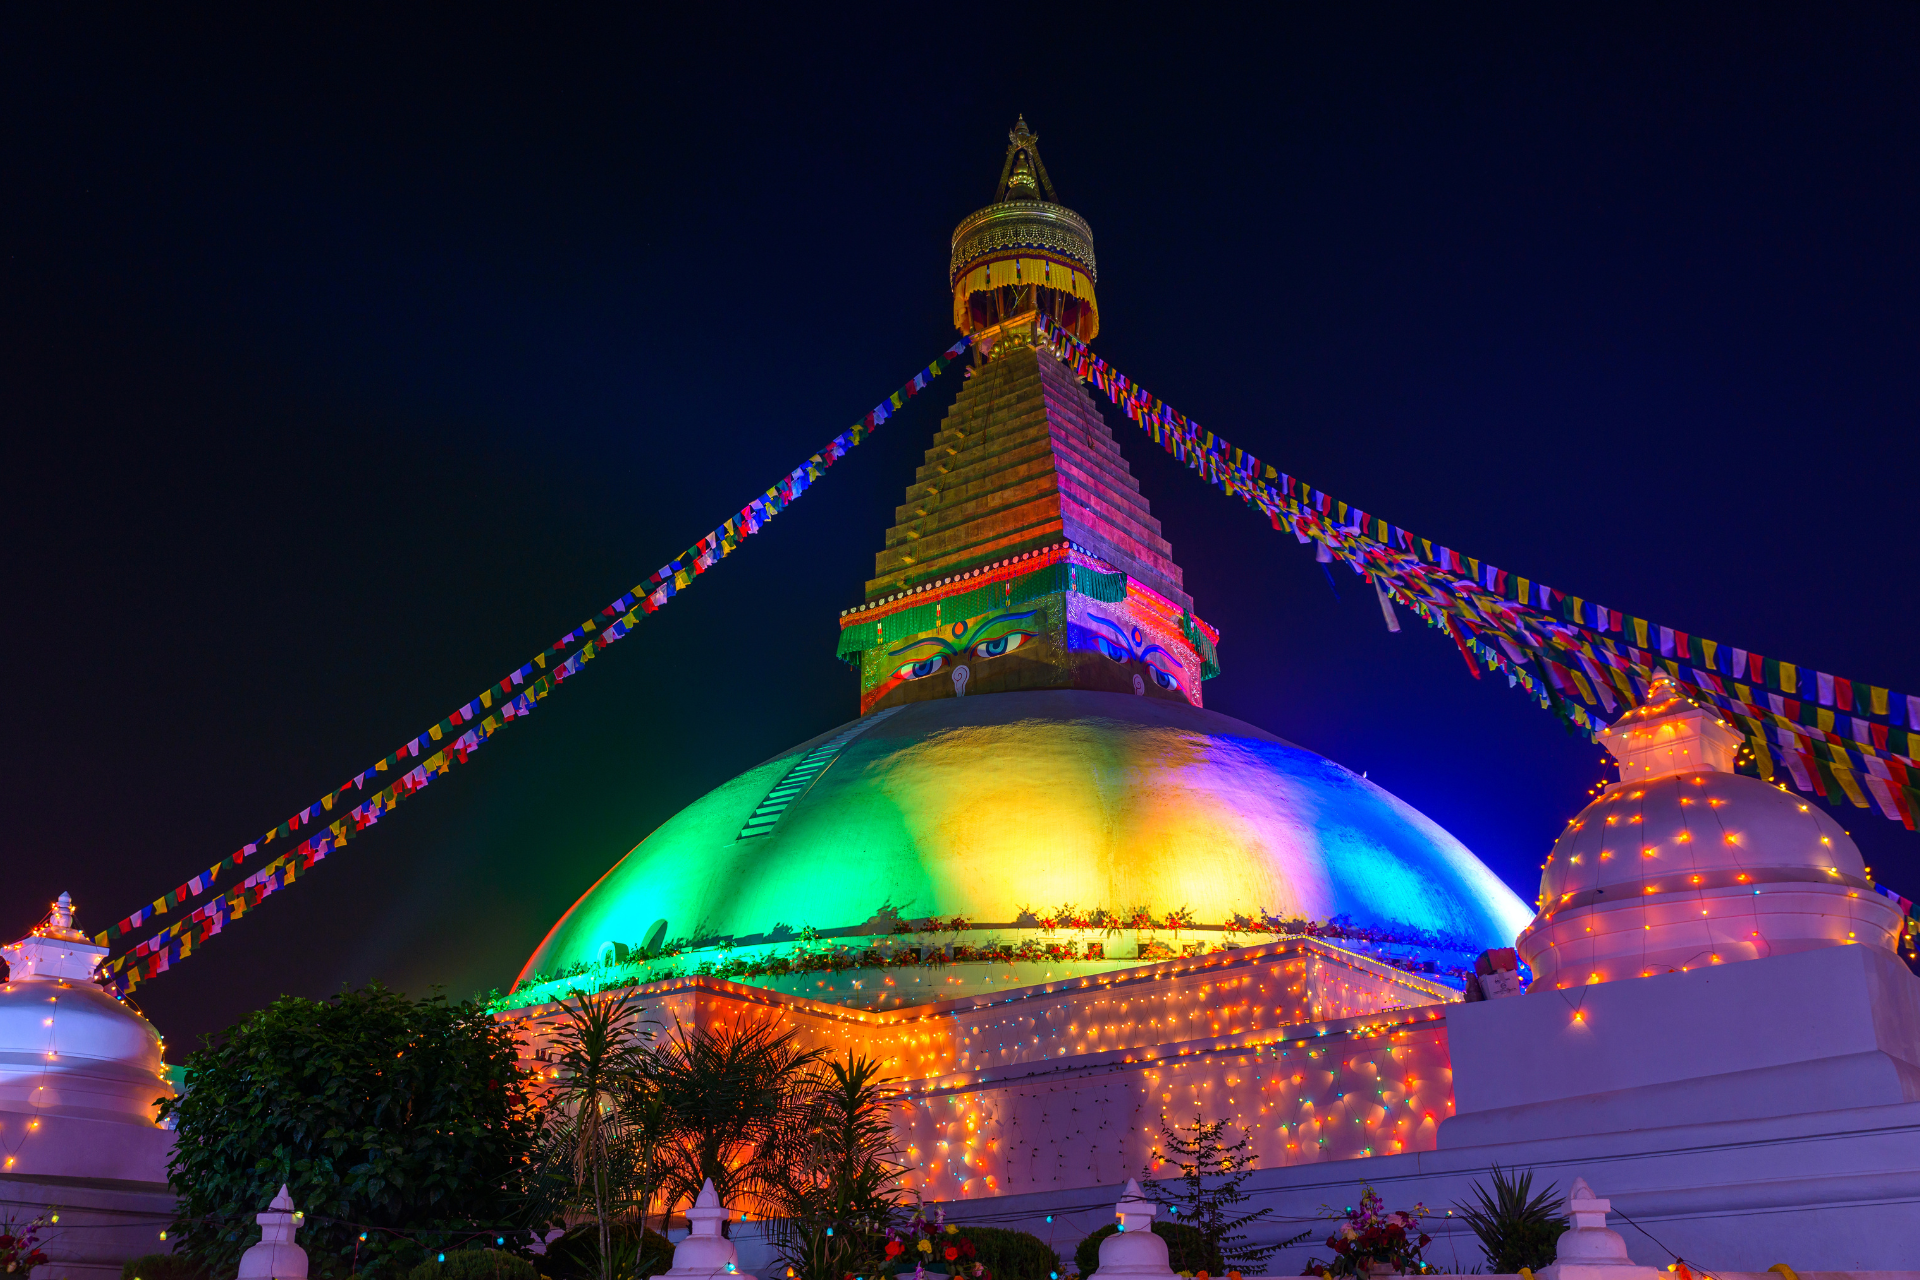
[1032, 741]
[956, 885]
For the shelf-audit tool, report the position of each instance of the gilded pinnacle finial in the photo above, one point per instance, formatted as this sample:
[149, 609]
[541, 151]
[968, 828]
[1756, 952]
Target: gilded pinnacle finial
[1025, 252]
[1023, 166]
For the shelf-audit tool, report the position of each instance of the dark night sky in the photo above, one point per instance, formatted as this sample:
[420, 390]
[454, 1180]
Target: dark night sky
[348, 359]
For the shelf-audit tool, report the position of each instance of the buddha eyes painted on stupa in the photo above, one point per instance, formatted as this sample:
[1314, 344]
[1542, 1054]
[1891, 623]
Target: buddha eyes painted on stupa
[1123, 643]
[988, 636]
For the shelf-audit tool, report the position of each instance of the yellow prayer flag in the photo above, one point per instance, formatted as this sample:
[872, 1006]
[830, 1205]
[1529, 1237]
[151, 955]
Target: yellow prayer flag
[1788, 682]
[434, 733]
[1879, 699]
[1707, 649]
[1847, 784]
[486, 698]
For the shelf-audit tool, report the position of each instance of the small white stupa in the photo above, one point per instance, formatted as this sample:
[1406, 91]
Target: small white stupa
[71, 1052]
[705, 1253]
[1683, 863]
[80, 1076]
[1134, 1250]
[1591, 1250]
[276, 1257]
[1709, 949]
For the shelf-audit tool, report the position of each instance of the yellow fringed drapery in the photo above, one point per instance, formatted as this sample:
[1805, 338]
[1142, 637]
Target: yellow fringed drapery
[1041, 271]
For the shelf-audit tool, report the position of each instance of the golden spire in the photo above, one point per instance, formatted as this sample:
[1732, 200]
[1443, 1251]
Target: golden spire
[1024, 253]
[1023, 166]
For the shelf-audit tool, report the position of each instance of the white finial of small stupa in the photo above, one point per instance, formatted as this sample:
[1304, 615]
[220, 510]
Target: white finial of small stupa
[1669, 733]
[276, 1257]
[706, 1254]
[1589, 1250]
[63, 911]
[1134, 1251]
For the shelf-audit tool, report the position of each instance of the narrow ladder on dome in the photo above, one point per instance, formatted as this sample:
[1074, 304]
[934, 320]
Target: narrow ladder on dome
[803, 775]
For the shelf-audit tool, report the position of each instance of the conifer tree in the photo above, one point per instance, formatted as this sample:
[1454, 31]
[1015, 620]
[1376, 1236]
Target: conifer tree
[1208, 1195]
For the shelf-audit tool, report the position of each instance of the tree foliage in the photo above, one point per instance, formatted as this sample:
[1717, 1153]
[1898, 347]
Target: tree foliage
[837, 1187]
[599, 1087]
[730, 1098]
[405, 1119]
[476, 1264]
[1013, 1255]
[1209, 1195]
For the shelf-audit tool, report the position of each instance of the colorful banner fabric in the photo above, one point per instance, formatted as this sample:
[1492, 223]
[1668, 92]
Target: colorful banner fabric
[471, 724]
[1839, 738]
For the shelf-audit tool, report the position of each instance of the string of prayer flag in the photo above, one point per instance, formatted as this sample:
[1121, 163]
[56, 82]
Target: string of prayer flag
[462, 730]
[1847, 741]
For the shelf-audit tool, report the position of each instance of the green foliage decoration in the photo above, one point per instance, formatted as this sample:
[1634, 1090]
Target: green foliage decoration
[1516, 1228]
[163, 1266]
[476, 1264]
[1209, 1187]
[576, 1255]
[405, 1119]
[1013, 1255]
[837, 1185]
[1187, 1249]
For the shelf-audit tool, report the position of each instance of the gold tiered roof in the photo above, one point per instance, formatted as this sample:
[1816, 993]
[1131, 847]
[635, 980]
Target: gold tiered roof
[1024, 253]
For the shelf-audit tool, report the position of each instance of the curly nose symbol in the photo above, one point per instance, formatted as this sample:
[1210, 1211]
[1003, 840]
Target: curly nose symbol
[960, 675]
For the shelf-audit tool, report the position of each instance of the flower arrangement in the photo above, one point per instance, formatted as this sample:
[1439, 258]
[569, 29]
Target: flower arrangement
[1372, 1241]
[934, 1245]
[20, 1248]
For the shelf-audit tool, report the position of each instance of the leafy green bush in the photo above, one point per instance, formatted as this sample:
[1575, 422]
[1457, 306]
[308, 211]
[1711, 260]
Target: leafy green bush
[163, 1266]
[475, 1264]
[409, 1116]
[1186, 1249]
[1012, 1255]
[576, 1255]
[1515, 1230]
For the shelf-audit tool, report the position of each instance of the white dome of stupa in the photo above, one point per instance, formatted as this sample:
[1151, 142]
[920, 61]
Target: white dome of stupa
[68, 1048]
[1684, 863]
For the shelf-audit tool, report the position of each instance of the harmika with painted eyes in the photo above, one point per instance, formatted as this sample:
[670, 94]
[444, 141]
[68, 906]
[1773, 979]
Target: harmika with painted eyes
[991, 636]
[1122, 643]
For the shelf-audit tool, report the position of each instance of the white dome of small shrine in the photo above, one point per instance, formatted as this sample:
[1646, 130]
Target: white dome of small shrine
[1684, 863]
[67, 1048]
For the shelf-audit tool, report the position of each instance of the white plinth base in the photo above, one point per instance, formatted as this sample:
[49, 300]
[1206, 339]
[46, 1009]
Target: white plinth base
[1807, 1032]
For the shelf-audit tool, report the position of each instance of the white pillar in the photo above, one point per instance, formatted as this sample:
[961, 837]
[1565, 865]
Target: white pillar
[276, 1257]
[705, 1254]
[1134, 1251]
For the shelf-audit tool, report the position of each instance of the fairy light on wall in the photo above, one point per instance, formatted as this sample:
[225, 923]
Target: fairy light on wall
[1317, 1052]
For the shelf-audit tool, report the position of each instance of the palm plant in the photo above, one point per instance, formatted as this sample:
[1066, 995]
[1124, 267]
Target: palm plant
[729, 1097]
[841, 1187]
[1517, 1230]
[600, 1060]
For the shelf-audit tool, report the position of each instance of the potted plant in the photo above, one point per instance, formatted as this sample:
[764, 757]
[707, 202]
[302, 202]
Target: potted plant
[933, 1249]
[1371, 1241]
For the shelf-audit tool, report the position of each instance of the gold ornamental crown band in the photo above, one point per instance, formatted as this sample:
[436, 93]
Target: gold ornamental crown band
[1012, 225]
[1018, 271]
